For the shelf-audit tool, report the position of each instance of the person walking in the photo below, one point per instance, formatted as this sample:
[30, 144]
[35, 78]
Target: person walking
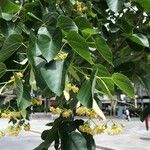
[127, 114]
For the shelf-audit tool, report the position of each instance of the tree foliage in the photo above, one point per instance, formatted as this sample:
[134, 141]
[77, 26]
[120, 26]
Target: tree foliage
[97, 45]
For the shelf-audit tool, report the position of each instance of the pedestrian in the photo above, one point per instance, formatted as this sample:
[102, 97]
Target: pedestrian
[127, 114]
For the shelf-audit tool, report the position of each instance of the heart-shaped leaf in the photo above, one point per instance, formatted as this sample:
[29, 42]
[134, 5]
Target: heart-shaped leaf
[11, 45]
[79, 45]
[48, 44]
[85, 94]
[54, 75]
[124, 84]
[104, 49]
[67, 24]
[23, 94]
[77, 141]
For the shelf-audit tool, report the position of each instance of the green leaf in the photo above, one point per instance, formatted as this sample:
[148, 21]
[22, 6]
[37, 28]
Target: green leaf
[11, 44]
[104, 49]
[90, 142]
[77, 141]
[49, 44]
[139, 39]
[73, 73]
[33, 47]
[102, 71]
[50, 137]
[9, 7]
[124, 84]
[145, 4]
[115, 5]
[93, 76]
[106, 84]
[2, 69]
[89, 31]
[23, 94]
[6, 16]
[32, 80]
[95, 105]
[67, 24]
[35, 17]
[82, 23]
[79, 45]
[97, 109]
[36, 62]
[85, 94]
[54, 75]
[125, 25]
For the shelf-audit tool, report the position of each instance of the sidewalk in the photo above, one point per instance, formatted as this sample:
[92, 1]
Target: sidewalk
[133, 137]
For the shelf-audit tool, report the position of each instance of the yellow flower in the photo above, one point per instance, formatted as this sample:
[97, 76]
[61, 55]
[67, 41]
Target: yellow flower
[99, 129]
[91, 113]
[19, 75]
[58, 110]
[27, 127]
[36, 102]
[114, 130]
[61, 56]
[4, 115]
[69, 87]
[72, 88]
[80, 7]
[81, 111]
[85, 128]
[66, 113]
[2, 134]
[52, 109]
[14, 115]
[13, 130]
[75, 89]
[55, 110]
[12, 78]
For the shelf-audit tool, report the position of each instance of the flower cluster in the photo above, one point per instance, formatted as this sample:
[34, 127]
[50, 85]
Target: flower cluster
[14, 130]
[61, 56]
[72, 88]
[100, 128]
[83, 111]
[2, 134]
[115, 129]
[26, 127]
[97, 129]
[85, 128]
[56, 110]
[90, 127]
[12, 78]
[80, 111]
[36, 101]
[10, 114]
[80, 7]
[66, 113]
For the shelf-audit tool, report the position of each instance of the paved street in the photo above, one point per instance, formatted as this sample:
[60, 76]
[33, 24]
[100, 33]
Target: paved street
[134, 137]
